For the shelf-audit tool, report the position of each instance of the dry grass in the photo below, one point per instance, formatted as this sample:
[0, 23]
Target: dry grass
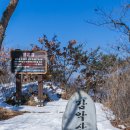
[31, 102]
[118, 89]
[6, 114]
[69, 91]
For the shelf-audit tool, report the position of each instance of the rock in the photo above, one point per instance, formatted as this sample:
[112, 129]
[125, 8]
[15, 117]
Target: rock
[80, 113]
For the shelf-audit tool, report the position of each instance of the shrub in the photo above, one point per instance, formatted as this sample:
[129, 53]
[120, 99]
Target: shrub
[118, 90]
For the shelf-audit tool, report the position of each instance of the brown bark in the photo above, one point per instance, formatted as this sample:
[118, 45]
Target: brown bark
[6, 18]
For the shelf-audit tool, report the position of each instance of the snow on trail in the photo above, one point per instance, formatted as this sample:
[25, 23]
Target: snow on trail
[102, 121]
[41, 118]
[48, 117]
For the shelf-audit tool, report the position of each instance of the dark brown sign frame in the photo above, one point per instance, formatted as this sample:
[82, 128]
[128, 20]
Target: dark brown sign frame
[29, 59]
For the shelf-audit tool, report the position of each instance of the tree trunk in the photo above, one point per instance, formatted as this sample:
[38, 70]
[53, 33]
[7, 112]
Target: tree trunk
[5, 18]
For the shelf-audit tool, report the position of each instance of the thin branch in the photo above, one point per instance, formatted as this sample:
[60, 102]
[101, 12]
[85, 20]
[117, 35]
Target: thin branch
[97, 24]
[108, 19]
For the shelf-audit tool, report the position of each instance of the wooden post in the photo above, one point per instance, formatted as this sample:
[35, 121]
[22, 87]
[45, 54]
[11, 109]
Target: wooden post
[18, 89]
[40, 89]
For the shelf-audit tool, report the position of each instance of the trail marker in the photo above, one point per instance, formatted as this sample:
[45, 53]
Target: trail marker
[80, 113]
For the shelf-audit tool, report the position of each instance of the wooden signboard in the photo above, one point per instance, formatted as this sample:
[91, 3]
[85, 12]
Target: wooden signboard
[80, 113]
[28, 62]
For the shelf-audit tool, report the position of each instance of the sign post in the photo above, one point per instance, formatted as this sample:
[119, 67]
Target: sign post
[29, 62]
[18, 89]
[40, 89]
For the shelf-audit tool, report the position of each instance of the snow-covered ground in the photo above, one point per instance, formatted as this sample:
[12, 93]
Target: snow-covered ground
[48, 117]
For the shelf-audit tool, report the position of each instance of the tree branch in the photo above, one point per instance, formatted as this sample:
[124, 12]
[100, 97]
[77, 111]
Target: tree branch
[6, 18]
[117, 23]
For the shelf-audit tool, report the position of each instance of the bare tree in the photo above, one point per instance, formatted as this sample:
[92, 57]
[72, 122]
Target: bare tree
[6, 18]
[116, 22]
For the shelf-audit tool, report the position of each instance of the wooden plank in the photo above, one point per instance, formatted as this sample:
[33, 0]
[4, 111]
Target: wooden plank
[18, 89]
[40, 89]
